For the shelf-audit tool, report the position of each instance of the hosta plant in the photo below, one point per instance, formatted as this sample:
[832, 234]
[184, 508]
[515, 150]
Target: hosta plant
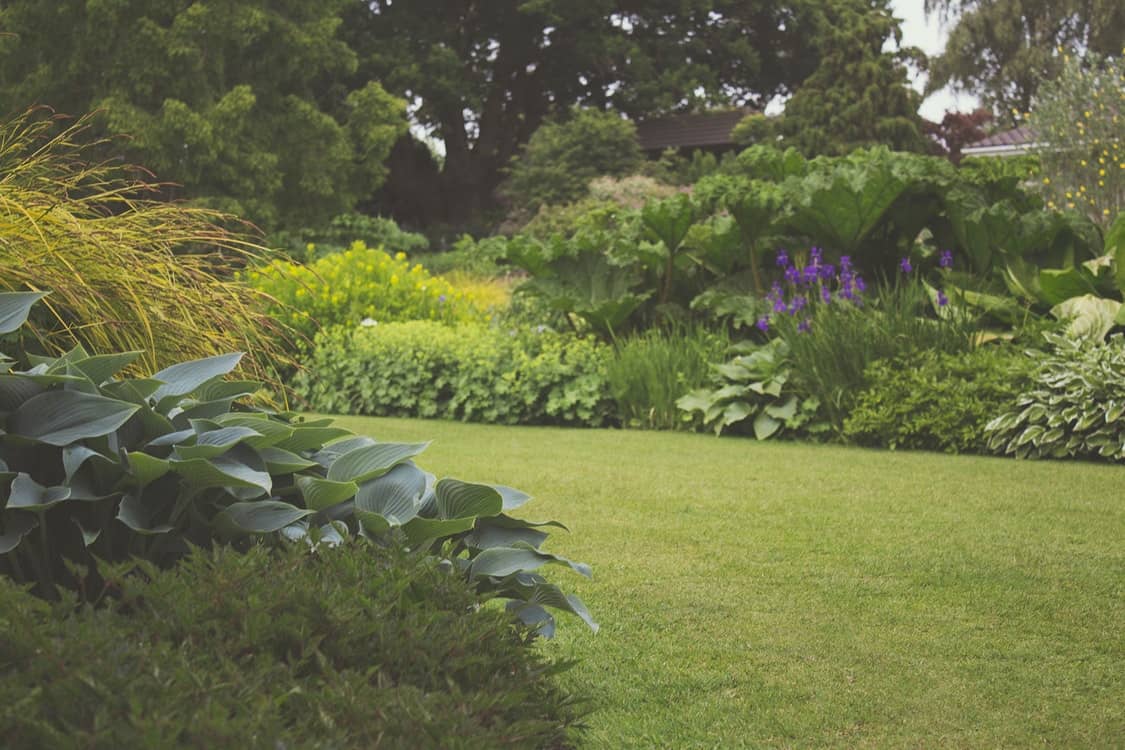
[1075, 407]
[96, 467]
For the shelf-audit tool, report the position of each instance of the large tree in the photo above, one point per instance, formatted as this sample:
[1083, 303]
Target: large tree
[482, 76]
[252, 106]
[1002, 50]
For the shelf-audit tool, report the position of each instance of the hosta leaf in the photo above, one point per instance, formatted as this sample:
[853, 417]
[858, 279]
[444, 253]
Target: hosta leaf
[63, 417]
[457, 499]
[280, 461]
[736, 412]
[306, 438]
[394, 496]
[784, 411]
[75, 456]
[223, 471]
[486, 535]
[89, 536]
[503, 561]
[14, 308]
[323, 493]
[17, 389]
[102, 367]
[140, 516]
[327, 455]
[419, 529]
[765, 426]
[215, 442]
[133, 391]
[183, 378]
[27, 494]
[534, 616]
[270, 431]
[14, 526]
[372, 522]
[145, 468]
[372, 461]
[184, 437]
[513, 498]
[545, 594]
[261, 517]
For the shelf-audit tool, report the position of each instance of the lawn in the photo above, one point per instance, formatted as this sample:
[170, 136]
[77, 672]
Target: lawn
[785, 595]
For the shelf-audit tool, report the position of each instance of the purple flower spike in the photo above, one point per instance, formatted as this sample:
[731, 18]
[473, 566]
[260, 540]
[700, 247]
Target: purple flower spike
[942, 300]
[804, 326]
[946, 260]
[816, 254]
[782, 258]
[860, 286]
[845, 262]
[827, 271]
[792, 275]
[904, 265]
[763, 324]
[441, 299]
[825, 295]
[812, 273]
[779, 305]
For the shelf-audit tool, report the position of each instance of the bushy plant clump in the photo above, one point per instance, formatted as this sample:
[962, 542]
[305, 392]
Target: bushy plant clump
[360, 282]
[353, 646]
[467, 372]
[934, 400]
[1073, 407]
[343, 230]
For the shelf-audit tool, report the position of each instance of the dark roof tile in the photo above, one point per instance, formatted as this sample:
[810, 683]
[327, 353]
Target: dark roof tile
[680, 131]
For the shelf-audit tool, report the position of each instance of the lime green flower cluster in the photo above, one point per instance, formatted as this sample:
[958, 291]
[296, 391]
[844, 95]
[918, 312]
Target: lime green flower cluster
[362, 285]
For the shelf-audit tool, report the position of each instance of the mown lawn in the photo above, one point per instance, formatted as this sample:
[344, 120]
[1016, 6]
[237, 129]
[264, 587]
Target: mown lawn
[782, 595]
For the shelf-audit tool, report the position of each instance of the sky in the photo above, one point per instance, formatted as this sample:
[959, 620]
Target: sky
[929, 35]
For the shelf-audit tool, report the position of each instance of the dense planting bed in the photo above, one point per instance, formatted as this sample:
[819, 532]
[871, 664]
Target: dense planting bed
[774, 594]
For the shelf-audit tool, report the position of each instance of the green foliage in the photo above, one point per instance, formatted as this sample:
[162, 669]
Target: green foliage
[1081, 131]
[96, 468]
[252, 107]
[467, 372]
[1073, 407]
[356, 646]
[128, 272]
[563, 156]
[373, 231]
[932, 400]
[358, 283]
[653, 369]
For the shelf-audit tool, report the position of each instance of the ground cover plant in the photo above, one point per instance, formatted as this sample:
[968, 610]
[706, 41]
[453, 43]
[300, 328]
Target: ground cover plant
[349, 646]
[788, 595]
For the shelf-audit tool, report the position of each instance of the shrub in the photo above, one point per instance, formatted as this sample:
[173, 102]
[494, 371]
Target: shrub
[1073, 407]
[359, 283]
[356, 646]
[471, 373]
[934, 400]
[95, 468]
[345, 229]
[128, 272]
[653, 369]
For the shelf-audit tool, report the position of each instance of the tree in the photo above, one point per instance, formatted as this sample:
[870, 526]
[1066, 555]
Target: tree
[484, 76]
[1002, 50]
[957, 130]
[250, 106]
[859, 94]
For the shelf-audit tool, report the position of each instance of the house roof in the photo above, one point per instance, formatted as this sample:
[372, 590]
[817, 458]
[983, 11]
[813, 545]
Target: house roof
[680, 131]
[1015, 141]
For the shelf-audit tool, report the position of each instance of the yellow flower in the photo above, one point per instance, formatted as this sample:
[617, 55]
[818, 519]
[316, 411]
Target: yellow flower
[1046, 180]
[394, 279]
[400, 256]
[1105, 212]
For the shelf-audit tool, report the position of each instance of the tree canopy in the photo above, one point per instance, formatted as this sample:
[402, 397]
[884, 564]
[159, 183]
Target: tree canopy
[247, 105]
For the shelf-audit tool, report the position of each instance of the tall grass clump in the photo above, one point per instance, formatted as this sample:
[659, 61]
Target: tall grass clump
[653, 369]
[126, 270]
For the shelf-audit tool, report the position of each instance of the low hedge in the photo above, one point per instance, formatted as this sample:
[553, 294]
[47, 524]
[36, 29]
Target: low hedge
[337, 648]
[468, 372]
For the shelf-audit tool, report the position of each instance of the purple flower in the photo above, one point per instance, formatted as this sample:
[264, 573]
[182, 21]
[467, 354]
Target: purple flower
[441, 299]
[825, 295]
[763, 324]
[847, 293]
[946, 259]
[845, 262]
[775, 291]
[860, 286]
[804, 326]
[811, 274]
[827, 271]
[942, 300]
[779, 305]
[792, 275]
[782, 258]
[904, 265]
[815, 255]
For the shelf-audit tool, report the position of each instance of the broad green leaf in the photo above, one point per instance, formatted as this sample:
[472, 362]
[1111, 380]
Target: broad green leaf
[180, 437]
[27, 494]
[486, 535]
[89, 536]
[394, 496]
[545, 594]
[1060, 284]
[785, 411]
[279, 461]
[133, 391]
[498, 562]
[372, 461]
[215, 442]
[146, 468]
[372, 522]
[324, 493]
[270, 431]
[1088, 316]
[102, 367]
[307, 438]
[14, 526]
[14, 308]
[327, 455]
[75, 456]
[63, 417]
[419, 529]
[183, 378]
[457, 499]
[223, 471]
[765, 426]
[512, 497]
[15, 390]
[261, 517]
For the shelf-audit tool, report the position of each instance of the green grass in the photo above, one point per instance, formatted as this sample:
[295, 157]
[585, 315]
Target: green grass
[783, 595]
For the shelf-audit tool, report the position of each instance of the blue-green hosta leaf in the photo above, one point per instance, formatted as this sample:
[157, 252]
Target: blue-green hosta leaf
[534, 616]
[102, 367]
[457, 499]
[228, 470]
[261, 517]
[63, 417]
[226, 390]
[139, 514]
[372, 523]
[14, 526]
[734, 412]
[183, 378]
[75, 456]
[306, 438]
[133, 391]
[372, 461]
[14, 308]
[512, 497]
[324, 493]
[27, 494]
[419, 529]
[393, 496]
[271, 431]
[145, 468]
[783, 411]
[486, 536]
[180, 437]
[545, 594]
[765, 426]
[215, 442]
[17, 389]
[698, 400]
[499, 562]
[279, 461]
[327, 455]
[89, 536]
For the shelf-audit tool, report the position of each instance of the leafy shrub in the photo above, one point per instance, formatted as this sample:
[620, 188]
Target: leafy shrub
[483, 257]
[651, 370]
[361, 282]
[471, 373]
[1073, 407]
[345, 229]
[108, 469]
[754, 390]
[129, 271]
[934, 400]
[356, 646]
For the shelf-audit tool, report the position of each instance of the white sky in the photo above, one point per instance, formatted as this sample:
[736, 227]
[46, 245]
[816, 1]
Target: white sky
[929, 35]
